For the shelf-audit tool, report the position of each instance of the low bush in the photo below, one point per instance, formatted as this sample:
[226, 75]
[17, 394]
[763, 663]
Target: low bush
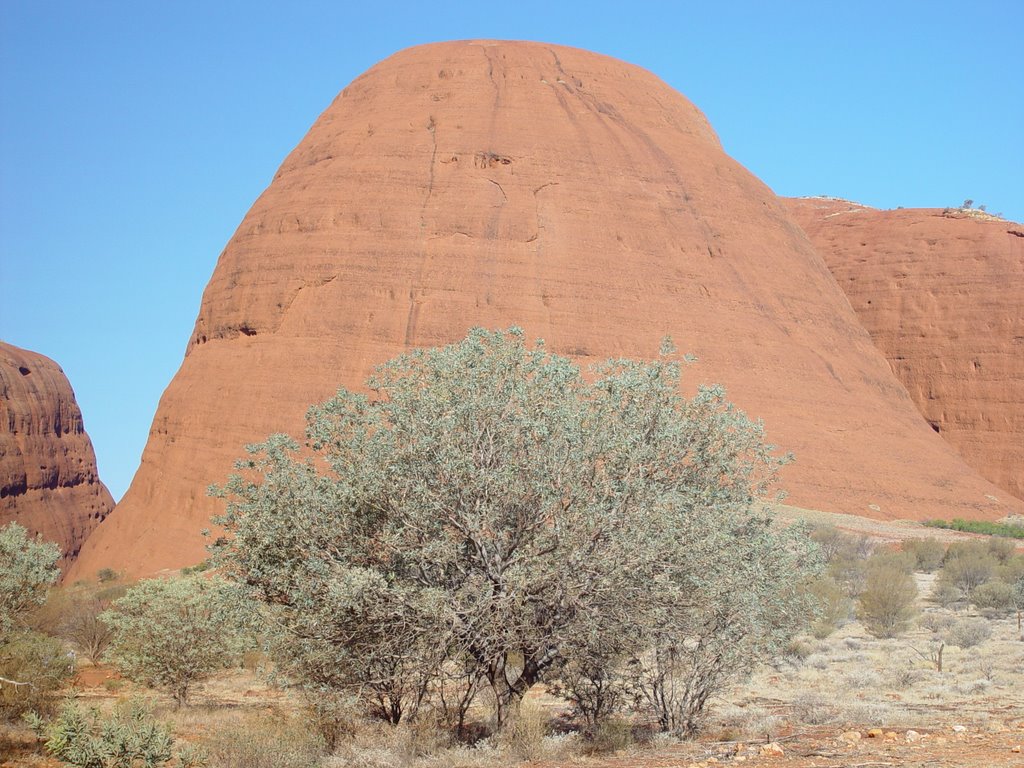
[33, 667]
[812, 708]
[834, 607]
[936, 622]
[967, 567]
[967, 633]
[995, 597]
[129, 738]
[927, 553]
[611, 735]
[887, 604]
[524, 736]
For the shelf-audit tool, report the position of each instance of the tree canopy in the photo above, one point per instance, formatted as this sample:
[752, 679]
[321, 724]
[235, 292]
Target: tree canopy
[490, 517]
[28, 568]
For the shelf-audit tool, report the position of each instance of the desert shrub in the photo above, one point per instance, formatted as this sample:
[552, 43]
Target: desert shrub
[173, 634]
[1010, 571]
[887, 604]
[33, 667]
[1002, 549]
[887, 558]
[105, 575]
[845, 555]
[797, 650]
[128, 738]
[496, 484]
[935, 622]
[834, 607]
[612, 734]
[947, 595]
[334, 716]
[593, 686]
[967, 633]
[996, 597]
[263, 742]
[524, 738]
[967, 568]
[27, 569]
[84, 628]
[927, 553]
[812, 708]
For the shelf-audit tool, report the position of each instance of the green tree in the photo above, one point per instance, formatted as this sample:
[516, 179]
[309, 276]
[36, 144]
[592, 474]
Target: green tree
[27, 570]
[175, 633]
[32, 665]
[490, 516]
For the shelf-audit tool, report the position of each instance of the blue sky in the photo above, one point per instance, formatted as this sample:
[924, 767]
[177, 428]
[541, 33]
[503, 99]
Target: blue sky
[135, 135]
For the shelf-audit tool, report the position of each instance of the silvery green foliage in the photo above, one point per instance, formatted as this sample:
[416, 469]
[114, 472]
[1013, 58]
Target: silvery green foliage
[127, 738]
[175, 633]
[27, 569]
[490, 516]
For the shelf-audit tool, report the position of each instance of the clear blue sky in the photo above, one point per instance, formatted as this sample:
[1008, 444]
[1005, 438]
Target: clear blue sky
[135, 135]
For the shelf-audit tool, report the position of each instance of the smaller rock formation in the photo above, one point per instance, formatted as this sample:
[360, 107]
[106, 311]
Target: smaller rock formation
[48, 478]
[942, 294]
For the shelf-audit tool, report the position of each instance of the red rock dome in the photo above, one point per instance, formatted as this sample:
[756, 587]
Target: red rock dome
[485, 183]
[942, 295]
[48, 479]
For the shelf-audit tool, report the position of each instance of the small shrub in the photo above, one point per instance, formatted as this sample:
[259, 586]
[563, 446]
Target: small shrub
[85, 629]
[834, 606]
[1002, 549]
[887, 604]
[611, 735]
[995, 597]
[967, 568]
[128, 738]
[524, 735]
[904, 677]
[946, 595]
[797, 650]
[104, 575]
[927, 553]
[34, 667]
[968, 633]
[173, 634]
[936, 622]
[813, 708]
[334, 716]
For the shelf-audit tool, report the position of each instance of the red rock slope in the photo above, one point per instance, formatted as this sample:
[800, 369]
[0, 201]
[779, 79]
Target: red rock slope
[942, 295]
[483, 183]
[48, 480]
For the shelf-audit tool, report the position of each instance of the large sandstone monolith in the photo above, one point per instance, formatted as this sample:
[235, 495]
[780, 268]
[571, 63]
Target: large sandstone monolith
[942, 295]
[48, 479]
[484, 183]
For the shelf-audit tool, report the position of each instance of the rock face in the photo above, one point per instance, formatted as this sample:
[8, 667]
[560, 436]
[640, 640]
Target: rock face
[942, 294]
[48, 479]
[491, 184]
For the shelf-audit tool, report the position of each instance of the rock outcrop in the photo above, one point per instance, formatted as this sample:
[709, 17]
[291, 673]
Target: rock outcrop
[489, 184]
[942, 295]
[48, 479]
